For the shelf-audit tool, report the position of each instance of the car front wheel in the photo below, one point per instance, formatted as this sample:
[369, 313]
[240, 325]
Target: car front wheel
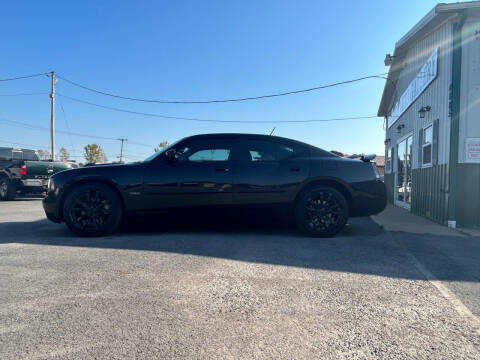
[321, 211]
[92, 210]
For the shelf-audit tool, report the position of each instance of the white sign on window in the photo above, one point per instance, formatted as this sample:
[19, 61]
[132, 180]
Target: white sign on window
[473, 150]
[425, 76]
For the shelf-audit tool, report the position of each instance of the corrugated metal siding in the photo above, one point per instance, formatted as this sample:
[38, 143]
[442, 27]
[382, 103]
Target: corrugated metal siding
[469, 126]
[436, 95]
[468, 195]
[389, 184]
[429, 195]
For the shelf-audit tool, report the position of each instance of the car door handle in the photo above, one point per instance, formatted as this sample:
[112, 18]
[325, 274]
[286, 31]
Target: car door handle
[221, 169]
[295, 169]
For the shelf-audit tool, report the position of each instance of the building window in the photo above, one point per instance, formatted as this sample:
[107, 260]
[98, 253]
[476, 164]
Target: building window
[427, 146]
[389, 160]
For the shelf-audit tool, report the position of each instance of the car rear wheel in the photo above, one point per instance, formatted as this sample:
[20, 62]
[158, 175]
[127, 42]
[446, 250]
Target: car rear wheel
[92, 210]
[7, 190]
[321, 211]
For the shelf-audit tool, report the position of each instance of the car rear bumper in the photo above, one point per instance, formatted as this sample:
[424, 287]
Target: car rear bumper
[370, 198]
[35, 183]
[30, 186]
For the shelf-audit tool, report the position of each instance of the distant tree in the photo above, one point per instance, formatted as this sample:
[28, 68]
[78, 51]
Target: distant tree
[94, 154]
[103, 157]
[162, 145]
[43, 154]
[338, 153]
[64, 154]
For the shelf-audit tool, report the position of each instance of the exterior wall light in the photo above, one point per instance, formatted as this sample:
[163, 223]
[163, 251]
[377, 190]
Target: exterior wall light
[388, 60]
[423, 110]
[387, 141]
[400, 127]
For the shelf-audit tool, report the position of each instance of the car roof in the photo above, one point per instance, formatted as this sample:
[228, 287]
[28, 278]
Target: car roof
[316, 151]
[243, 135]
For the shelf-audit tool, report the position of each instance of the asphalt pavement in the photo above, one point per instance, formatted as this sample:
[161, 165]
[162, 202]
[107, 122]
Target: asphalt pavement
[237, 289]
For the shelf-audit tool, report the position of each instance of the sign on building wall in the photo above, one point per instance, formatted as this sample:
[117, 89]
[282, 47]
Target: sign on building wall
[472, 150]
[425, 76]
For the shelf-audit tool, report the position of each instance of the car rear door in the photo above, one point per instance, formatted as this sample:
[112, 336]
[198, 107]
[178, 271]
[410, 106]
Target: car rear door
[200, 176]
[269, 171]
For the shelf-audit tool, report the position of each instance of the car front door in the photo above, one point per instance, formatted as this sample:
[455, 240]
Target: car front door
[200, 175]
[269, 172]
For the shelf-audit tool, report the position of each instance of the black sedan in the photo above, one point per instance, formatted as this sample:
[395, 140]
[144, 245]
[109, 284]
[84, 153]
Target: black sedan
[220, 170]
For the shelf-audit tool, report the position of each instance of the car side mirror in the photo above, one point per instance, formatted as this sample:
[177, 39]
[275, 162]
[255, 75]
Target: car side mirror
[170, 155]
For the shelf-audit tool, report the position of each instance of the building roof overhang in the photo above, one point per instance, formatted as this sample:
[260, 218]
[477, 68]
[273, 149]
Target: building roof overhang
[432, 20]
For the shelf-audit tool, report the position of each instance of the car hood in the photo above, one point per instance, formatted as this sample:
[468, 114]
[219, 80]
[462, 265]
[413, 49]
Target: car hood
[100, 169]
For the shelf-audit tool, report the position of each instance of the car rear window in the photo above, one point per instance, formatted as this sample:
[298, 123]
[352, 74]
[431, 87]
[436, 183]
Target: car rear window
[30, 155]
[18, 154]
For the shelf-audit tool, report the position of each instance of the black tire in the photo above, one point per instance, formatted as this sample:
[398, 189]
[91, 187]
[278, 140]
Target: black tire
[7, 190]
[321, 211]
[92, 210]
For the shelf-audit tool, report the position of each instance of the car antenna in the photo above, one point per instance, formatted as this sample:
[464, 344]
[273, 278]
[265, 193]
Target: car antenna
[271, 132]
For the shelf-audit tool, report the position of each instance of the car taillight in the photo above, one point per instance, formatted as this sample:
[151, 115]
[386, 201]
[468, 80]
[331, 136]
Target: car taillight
[23, 170]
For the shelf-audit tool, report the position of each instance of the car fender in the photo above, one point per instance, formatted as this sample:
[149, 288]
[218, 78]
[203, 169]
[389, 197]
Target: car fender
[86, 179]
[332, 181]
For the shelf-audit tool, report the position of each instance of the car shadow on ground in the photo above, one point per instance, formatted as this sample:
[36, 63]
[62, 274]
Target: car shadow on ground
[362, 247]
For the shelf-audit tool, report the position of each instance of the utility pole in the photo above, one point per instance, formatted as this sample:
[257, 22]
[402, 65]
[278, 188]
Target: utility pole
[121, 147]
[52, 114]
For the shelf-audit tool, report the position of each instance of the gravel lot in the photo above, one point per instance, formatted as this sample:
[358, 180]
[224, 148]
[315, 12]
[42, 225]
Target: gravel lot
[230, 291]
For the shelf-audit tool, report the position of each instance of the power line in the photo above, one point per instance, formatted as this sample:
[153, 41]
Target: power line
[213, 120]
[68, 127]
[26, 94]
[24, 77]
[130, 156]
[21, 144]
[36, 127]
[221, 100]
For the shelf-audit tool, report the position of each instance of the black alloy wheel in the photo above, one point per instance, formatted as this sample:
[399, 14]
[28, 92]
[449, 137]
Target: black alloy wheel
[92, 210]
[321, 211]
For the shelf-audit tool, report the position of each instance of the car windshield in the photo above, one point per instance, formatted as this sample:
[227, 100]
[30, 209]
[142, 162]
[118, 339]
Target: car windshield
[154, 155]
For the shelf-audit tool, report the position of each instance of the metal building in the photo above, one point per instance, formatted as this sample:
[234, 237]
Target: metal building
[431, 105]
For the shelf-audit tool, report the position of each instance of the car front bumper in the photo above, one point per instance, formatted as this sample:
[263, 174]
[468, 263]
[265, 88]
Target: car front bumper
[51, 209]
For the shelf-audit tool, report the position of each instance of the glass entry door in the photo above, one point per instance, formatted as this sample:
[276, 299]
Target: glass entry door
[403, 176]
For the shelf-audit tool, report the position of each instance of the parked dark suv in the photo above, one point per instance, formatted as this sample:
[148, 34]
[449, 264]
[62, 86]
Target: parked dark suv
[220, 170]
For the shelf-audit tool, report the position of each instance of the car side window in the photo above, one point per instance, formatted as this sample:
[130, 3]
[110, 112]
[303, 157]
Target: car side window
[5, 154]
[198, 151]
[210, 155]
[261, 151]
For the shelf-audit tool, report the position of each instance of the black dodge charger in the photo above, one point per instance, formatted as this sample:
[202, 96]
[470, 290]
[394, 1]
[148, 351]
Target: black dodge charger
[220, 170]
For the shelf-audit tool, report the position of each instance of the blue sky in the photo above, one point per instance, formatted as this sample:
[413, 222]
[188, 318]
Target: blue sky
[198, 50]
